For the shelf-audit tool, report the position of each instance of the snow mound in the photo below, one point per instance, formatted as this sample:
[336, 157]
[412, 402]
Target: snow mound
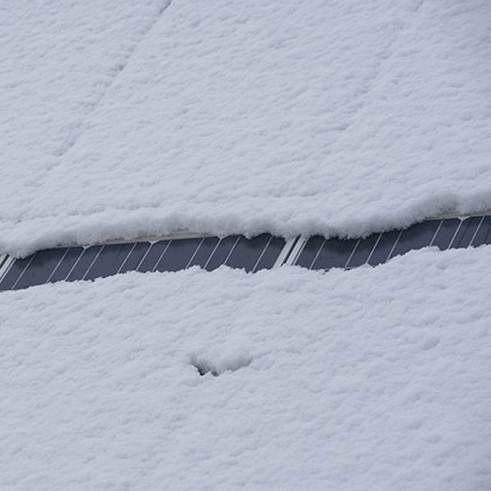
[341, 118]
[366, 379]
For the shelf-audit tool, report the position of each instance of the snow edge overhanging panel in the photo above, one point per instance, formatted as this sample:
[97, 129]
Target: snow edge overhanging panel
[264, 251]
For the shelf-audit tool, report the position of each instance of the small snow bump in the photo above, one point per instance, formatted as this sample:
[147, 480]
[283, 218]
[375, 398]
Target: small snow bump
[218, 365]
[430, 343]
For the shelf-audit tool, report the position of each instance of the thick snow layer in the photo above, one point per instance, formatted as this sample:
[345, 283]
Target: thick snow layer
[339, 117]
[368, 379]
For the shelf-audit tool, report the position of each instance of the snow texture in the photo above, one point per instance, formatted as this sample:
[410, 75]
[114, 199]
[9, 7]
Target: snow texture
[368, 379]
[123, 119]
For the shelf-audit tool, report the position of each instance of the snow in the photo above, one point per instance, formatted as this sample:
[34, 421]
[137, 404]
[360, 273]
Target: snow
[367, 379]
[341, 117]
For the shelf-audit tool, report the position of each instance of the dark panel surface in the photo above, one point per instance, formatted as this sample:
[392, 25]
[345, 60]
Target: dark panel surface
[205, 250]
[13, 274]
[221, 252]
[310, 251]
[416, 237]
[41, 267]
[363, 251]
[483, 235]
[383, 248]
[466, 232]
[271, 254]
[153, 255]
[246, 253]
[83, 263]
[109, 260]
[334, 254]
[446, 233]
[135, 257]
[66, 264]
[178, 255]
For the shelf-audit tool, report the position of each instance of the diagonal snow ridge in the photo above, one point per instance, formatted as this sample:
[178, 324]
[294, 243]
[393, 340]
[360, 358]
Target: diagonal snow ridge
[116, 72]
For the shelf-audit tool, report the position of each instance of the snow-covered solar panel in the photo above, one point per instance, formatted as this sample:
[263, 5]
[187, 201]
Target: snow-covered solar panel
[319, 253]
[250, 254]
[78, 263]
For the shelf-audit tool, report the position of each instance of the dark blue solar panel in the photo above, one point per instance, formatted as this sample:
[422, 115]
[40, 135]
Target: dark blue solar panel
[204, 251]
[310, 251]
[153, 256]
[483, 235]
[221, 253]
[13, 274]
[466, 232]
[178, 255]
[383, 248]
[83, 263]
[135, 257]
[109, 261]
[253, 254]
[334, 254]
[270, 254]
[363, 250]
[66, 264]
[247, 252]
[416, 237]
[40, 268]
[446, 233]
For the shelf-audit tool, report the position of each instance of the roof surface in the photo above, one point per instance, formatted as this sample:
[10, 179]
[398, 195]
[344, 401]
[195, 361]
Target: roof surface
[347, 117]
[366, 379]
[123, 120]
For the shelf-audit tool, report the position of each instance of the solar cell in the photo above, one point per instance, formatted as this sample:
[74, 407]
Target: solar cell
[83, 263]
[109, 261]
[465, 233]
[221, 252]
[310, 251]
[483, 235]
[40, 268]
[247, 252]
[363, 250]
[134, 257]
[270, 254]
[65, 265]
[152, 256]
[334, 253]
[204, 251]
[445, 233]
[416, 237]
[383, 248]
[178, 254]
[14, 272]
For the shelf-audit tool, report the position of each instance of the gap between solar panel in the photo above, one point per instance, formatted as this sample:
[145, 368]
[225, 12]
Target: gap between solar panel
[98, 261]
[449, 233]
[264, 251]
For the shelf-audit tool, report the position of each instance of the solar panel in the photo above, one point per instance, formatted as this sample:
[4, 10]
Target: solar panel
[334, 253]
[415, 237]
[250, 254]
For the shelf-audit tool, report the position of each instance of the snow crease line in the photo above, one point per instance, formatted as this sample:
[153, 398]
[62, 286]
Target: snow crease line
[125, 62]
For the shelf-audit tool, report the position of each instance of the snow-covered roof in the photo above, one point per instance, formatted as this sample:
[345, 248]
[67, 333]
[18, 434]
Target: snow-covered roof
[367, 379]
[123, 120]
[120, 119]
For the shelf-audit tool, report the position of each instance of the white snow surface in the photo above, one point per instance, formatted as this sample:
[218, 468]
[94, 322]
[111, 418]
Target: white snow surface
[123, 119]
[369, 379]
